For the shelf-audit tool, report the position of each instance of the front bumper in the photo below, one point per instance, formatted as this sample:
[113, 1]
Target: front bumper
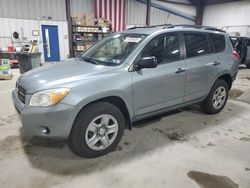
[58, 119]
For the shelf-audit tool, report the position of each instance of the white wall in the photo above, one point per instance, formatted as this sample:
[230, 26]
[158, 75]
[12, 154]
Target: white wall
[24, 27]
[232, 17]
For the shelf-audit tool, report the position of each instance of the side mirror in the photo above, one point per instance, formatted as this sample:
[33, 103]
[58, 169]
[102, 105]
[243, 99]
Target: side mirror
[147, 62]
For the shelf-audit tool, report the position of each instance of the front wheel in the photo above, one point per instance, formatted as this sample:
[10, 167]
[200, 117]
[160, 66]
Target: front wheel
[97, 130]
[217, 98]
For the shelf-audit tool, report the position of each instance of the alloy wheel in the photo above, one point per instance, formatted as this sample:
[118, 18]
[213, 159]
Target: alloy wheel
[101, 132]
[219, 97]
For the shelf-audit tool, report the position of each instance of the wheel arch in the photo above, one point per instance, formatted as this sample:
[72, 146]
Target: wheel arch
[116, 101]
[227, 78]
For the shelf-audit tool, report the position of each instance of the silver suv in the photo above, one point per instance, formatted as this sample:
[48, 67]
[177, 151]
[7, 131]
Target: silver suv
[125, 77]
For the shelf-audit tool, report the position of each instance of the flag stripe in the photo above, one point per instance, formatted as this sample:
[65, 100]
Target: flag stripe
[124, 15]
[100, 8]
[120, 12]
[110, 11]
[95, 8]
[105, 9]
[113, 10]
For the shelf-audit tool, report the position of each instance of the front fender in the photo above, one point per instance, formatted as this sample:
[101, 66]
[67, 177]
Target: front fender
[98, 96]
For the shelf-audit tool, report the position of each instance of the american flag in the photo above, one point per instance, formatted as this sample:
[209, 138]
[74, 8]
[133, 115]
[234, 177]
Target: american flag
[113, 10]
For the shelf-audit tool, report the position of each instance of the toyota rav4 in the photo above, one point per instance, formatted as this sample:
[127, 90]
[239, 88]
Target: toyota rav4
[127, 76]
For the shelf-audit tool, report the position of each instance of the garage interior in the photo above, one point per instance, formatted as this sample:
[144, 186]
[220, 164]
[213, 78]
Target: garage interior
[177, 149]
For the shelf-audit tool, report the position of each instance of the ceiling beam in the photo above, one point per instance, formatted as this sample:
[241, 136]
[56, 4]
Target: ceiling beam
[158, 5]
[213, 2]
[148, 12]
[177, 3]
[199, 12]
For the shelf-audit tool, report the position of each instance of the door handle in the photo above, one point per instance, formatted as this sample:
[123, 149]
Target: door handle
[216, 63]
[180, 70]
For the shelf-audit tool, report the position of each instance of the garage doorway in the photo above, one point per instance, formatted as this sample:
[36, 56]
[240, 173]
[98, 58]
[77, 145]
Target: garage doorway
[50, 43]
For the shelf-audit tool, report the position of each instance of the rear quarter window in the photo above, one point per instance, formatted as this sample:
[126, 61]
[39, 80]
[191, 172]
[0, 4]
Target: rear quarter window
[218, 42]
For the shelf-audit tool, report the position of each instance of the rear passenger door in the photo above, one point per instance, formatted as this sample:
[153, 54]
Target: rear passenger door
[199, 62]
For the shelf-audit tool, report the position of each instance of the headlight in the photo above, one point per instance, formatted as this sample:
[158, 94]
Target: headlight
[48, 97]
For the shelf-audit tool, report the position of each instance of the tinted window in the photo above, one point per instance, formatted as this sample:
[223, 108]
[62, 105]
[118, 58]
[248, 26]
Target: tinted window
[218, 42]
[165, 48]
[196, 44]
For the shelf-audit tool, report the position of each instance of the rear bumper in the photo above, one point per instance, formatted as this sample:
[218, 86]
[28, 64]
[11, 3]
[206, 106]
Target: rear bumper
[58, 119]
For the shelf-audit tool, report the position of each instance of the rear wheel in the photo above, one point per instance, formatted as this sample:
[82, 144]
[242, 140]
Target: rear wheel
[97, 130]
[217, 98]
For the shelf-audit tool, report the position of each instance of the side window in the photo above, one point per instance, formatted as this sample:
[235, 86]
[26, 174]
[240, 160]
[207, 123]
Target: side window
[196, 44]
[218, 42]
[165, 48]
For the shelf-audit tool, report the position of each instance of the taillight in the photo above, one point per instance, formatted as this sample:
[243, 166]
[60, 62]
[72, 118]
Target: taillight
[236, 54]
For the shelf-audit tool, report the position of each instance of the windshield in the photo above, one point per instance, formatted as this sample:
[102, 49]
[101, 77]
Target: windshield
[114, 49]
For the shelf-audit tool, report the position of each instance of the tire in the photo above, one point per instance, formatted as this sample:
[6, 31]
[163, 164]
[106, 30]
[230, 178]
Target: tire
[97, 130]
[209, 105]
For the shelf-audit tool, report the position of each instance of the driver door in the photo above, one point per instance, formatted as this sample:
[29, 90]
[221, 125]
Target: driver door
[155, 89]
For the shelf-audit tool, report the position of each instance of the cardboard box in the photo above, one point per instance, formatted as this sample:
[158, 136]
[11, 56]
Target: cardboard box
[90, 19]
[81, 19]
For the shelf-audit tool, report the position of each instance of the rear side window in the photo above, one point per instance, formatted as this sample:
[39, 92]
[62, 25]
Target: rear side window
[196, 44]
[218, 42]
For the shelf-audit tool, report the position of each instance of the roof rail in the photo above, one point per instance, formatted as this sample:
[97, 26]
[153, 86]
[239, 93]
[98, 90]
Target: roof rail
[151, 26]
[195, 26]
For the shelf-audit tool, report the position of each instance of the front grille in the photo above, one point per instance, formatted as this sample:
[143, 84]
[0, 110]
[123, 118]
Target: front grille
[21, 93]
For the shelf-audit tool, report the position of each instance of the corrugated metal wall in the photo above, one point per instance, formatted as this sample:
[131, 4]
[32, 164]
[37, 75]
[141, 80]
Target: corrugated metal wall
[233, 17]
[33, 9]
[82, 6]
[136, 15]
[162, 17]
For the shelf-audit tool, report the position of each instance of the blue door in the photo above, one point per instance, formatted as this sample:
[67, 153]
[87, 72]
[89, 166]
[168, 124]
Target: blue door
[50, 43]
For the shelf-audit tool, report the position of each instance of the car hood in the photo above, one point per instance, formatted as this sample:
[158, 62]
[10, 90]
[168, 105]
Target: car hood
[61, 74]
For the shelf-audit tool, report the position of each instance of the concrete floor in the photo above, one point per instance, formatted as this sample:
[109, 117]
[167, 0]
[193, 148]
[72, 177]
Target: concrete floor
[184, 148]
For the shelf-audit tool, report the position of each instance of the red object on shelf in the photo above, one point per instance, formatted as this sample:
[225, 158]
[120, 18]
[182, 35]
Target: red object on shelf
[10, 48]
[13, 62]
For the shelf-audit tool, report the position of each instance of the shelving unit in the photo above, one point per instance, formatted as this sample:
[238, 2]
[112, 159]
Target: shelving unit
[85, 36]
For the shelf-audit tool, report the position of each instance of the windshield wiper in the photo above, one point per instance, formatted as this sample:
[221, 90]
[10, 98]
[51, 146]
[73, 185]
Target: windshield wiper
[89, 60]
